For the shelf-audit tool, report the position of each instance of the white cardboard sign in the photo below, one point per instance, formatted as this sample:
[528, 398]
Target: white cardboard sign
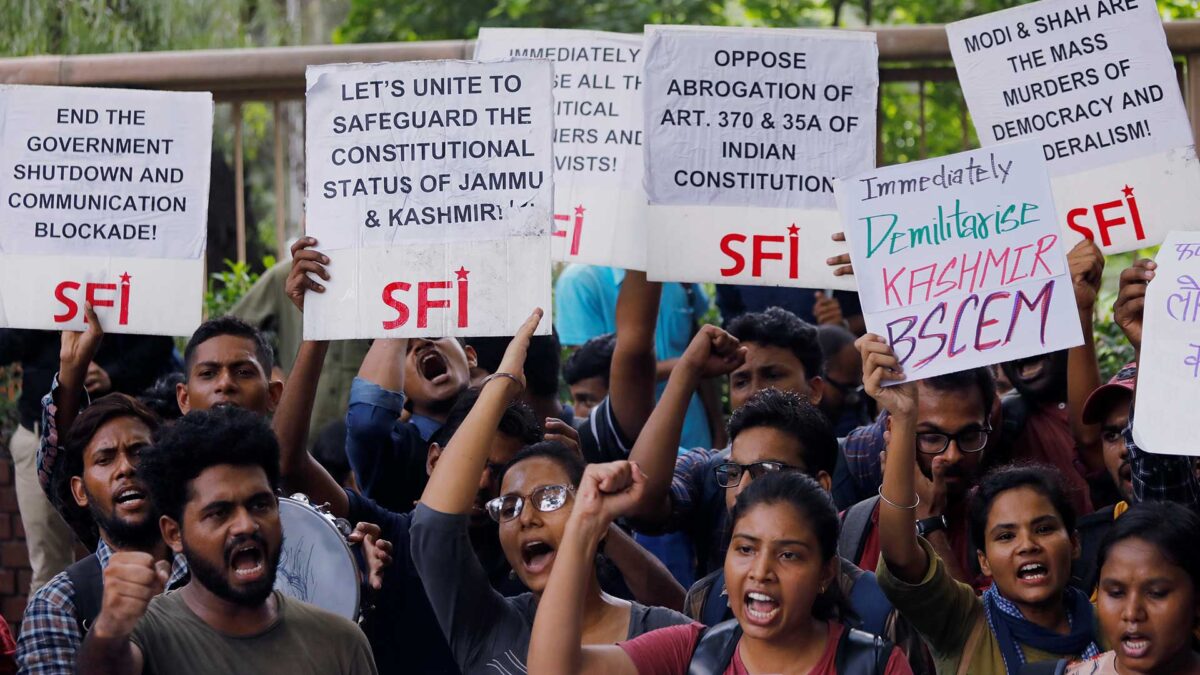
[959, 259]
[746, 131]
[430, 187]
[103, 199]
[1094, 84]
[1169, 369]
[599, 202]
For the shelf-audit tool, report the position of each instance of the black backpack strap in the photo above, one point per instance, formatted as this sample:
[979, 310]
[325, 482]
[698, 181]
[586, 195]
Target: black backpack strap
[860, 653]
[88, 581]
[714, 649]
[1045, 668]
[852, 538]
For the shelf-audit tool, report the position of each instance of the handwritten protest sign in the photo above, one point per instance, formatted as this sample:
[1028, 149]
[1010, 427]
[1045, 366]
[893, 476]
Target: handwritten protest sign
[103, 199]
[1169, 370]
[430, 187]
[746, 131]
[1093, 83]
[599, 203]
[959, 259]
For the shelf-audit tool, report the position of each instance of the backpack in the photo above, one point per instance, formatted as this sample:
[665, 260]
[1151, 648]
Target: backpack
[88, 581]
[858, 653]
[852, 531]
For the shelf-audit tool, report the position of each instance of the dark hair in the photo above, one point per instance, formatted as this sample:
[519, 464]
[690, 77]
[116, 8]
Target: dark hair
[1172, 528]
[160, 396]
[833, 339]
[777, 327]
[517, 421]
[330, 450]
[792, 414]
[230, 325]
[593, 359]
[203, 439]
[815, 505]
[965, 380]
[541, 361]
[101, 412]
[565, 457]
[1041, 478]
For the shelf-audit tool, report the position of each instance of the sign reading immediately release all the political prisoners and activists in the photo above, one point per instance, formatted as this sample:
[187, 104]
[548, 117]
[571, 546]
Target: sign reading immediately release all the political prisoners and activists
[430, 188]
[746, 132]
[1092, 82]
[599, 203]
[960, 259]
[103, 200]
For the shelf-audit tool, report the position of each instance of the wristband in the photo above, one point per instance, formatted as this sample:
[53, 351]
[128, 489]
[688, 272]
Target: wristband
[510, 376]
[927, 526]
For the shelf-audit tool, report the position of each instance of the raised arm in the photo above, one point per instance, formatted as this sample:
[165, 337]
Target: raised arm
[1086, 264]
[712, 353]
[74, 357]
[131, 580]
[606, 491]
[632, 373]
[897, 507]
[455, 479]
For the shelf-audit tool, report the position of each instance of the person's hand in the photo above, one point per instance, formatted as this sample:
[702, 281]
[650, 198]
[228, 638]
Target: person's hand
[606, 492]
[77, 350]
[880, 365]
[513, 361]
[840, 263]
[305, 261]
[561, 432]
[131, 580]
[1131, 300]
[712, 353]
[827, 310]
[378, 552]
[1086, 264]
[97, 381]
[932, 492]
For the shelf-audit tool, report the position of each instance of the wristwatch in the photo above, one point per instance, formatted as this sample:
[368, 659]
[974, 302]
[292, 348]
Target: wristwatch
[927, 526]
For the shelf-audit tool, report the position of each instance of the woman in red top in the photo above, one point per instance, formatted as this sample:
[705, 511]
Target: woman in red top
[780, 573]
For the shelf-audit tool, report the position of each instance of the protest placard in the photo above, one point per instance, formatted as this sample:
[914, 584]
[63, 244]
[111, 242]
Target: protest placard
[599, 202]
[1168, 383]
[430, 188]
[960, 260]
[746, 131]
[103, 199]
[1094, 84]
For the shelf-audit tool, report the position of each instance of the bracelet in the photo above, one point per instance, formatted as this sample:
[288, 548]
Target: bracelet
[894, 505]
[510, 376]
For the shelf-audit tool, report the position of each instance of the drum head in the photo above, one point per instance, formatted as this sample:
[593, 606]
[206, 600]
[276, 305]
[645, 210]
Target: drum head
[316, 564]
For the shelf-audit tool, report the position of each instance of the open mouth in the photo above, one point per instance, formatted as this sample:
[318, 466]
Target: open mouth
[1135, 645]
[536, 556]
[1033, 572]
[248, 562]
[1031, 369]
[760, 607]
[433, 365]
[130, 498]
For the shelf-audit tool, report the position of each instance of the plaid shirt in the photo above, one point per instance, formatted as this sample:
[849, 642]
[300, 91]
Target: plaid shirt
[50, 633]
[1161, 478]
[698, 506]
[49, 444]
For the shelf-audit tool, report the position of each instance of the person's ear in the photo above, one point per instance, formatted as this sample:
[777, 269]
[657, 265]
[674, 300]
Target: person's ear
[78, 492]
[431, 457]
[825, 481]
[274, 393]
[829, 574]
[472, 357]
[983, 563]
[172, 533]
[816, 390]
[181, 398]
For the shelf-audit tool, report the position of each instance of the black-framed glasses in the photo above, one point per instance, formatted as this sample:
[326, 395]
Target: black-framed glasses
[546, 498]
[729, 474]
[969, 440]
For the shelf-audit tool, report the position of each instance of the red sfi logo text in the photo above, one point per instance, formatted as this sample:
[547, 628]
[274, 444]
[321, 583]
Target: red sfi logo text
[430, 295]
[69, 296]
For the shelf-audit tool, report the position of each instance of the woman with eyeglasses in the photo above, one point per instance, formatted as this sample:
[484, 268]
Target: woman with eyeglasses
[487, 632]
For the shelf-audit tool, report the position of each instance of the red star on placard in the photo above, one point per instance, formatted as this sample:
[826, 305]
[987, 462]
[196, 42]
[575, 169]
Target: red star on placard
[579, 210]
[125, 278]
[793, 229]
[462, 273]
[1128, 191]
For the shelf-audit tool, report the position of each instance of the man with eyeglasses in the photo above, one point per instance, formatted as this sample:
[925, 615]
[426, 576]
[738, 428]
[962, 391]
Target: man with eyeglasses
[953, 429]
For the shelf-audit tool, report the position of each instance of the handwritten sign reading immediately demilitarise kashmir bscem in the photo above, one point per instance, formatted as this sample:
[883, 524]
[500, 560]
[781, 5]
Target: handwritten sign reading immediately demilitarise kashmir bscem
[103, 200]
[430, 187]
[599, 202]
[1092, 82]
[746, 131]
[1169, 370]
[959, 261]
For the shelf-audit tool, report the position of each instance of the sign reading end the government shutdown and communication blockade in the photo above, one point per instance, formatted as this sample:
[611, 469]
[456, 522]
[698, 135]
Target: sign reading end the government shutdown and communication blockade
[430, 188]
[103, 200]
[960, 259]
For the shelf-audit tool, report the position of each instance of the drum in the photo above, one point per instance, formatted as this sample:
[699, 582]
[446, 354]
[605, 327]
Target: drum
[317, 564]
